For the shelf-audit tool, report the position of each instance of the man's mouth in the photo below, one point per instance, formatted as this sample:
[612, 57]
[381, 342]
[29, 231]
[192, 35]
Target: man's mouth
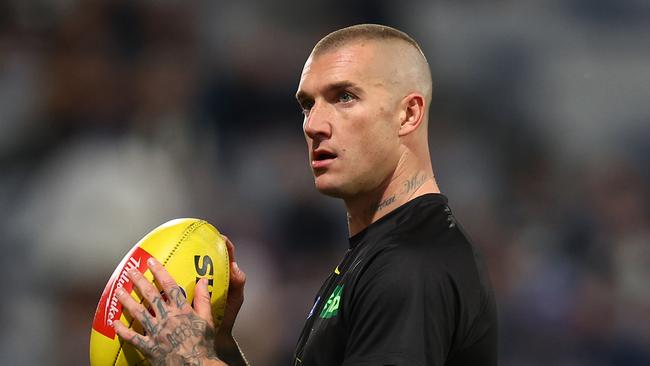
[322, 158]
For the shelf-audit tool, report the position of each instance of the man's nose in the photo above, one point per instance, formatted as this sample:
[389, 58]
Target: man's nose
[317, 124]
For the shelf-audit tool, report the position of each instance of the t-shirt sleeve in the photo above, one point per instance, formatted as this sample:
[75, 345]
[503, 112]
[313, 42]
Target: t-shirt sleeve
[399, 314]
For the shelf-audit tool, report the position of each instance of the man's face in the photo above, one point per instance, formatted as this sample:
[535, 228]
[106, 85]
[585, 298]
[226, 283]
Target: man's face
[351, 118]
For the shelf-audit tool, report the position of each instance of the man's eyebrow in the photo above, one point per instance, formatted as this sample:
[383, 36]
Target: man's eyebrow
[301, 95]
[341, 85]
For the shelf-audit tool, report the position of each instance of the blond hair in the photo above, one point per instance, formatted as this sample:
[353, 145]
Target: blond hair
[360, 32]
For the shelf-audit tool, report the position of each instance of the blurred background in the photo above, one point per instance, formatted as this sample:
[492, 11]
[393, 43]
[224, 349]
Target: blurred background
[119, 115]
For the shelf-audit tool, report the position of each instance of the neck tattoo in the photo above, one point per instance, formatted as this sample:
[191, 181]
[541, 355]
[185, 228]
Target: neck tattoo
[409, 187]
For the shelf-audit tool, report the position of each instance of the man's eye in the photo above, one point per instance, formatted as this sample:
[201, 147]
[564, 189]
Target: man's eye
[306, 107]
[346, 97]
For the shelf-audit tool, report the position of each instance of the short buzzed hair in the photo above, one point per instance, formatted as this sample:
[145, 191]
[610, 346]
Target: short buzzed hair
[358, 32]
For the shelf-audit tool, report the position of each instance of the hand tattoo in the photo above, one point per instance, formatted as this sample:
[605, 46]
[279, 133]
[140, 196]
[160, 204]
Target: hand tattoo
[176, 334]
[160, 307]
[177, 296]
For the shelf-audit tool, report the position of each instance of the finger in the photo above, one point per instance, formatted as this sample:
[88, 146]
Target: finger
[142, 343]
[237, 276]
[236, 286]
[149, 292]
[175, 295]
[202, 301]
[231, 248]
[234, 300]
[129, 304]
[233, 305]
[137, 311]
[129, 335]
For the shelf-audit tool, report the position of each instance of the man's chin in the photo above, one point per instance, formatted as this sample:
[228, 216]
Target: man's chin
[329, 189]
[331, 192]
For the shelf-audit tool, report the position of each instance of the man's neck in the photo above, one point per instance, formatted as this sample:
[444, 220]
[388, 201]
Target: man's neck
[365, 209]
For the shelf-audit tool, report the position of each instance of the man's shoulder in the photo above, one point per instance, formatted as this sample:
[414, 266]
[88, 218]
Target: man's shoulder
[435, 239]
[430, 257]
[425, 242]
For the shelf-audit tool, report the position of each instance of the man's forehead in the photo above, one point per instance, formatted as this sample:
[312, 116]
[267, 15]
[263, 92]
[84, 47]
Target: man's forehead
[353, 61]
[344, 56]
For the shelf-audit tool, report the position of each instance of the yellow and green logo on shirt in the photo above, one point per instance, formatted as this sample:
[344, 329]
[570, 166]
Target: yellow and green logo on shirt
[331, 308]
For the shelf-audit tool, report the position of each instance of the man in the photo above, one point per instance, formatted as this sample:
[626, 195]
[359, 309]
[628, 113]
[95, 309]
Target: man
[411, 290]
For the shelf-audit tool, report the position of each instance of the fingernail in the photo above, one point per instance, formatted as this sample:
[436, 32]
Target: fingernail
[151, 261]
[235, 267]
[133, 271]
[119, 291]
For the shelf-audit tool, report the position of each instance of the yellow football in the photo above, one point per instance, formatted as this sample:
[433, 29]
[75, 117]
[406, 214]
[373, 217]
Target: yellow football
[189, 249]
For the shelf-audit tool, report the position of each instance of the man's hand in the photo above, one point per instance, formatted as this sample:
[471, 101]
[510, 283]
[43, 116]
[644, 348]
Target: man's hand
[177, 334]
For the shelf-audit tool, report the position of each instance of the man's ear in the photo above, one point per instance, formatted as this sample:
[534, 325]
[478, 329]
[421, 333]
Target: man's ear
[412, 115]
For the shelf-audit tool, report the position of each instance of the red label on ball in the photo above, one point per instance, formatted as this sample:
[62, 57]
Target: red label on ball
[109, 308]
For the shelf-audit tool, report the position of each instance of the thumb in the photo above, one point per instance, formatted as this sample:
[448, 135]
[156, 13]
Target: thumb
[202, 301]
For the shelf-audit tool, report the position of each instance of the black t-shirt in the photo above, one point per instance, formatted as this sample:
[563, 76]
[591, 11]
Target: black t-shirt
[411, 290]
